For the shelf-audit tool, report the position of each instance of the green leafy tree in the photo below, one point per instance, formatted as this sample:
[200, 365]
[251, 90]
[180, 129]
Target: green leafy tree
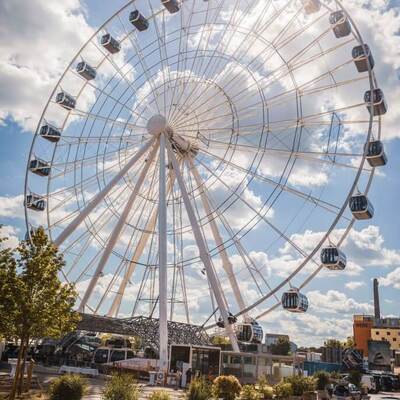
[281, 347]
[35, 303]
[216, 340]
[355, 378]
[333, 343]
[226, 387]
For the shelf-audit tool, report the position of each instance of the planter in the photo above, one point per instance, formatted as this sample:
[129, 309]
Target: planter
[323, 395]
[310, 395]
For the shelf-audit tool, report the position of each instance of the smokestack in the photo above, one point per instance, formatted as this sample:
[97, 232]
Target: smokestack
[376, 299]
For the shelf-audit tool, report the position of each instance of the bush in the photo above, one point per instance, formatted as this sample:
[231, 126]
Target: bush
[160, 395]
[266, 391]
[199, 389]
[121, 387]
[322, 378]
[67, 387]
[283, 390]
[226, 387]
[300, 384]
[249, 392]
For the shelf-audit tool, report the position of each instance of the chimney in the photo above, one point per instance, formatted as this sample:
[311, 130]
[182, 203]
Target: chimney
[376, 299]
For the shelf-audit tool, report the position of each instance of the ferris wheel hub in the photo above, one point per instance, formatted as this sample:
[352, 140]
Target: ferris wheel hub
[157, 124]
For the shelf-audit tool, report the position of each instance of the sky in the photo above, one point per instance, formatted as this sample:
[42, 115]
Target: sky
[43, 37]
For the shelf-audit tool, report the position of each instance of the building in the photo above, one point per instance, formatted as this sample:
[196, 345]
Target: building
[387, 329]
[332, 355]
[272, 338]
[362, 325]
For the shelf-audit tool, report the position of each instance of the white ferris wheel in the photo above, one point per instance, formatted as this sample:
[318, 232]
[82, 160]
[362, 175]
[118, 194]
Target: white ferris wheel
[187, 145]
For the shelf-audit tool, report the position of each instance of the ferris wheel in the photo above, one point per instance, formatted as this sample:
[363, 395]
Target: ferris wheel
[190, 145]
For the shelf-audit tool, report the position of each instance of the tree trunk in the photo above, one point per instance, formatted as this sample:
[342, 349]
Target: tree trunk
[17, 371]
[22, 370]
[29, 379]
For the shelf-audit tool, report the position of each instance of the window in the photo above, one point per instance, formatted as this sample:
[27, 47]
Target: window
[394, 339]
[388, 333]
[377, 332]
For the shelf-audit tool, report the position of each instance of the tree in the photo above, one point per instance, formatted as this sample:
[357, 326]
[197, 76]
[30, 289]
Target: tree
[333, 343]
[36, 303]
[217, 340]
[281, 347]
[349, 343]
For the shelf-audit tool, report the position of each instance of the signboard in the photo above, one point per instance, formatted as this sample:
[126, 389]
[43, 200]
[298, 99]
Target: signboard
[379, 354]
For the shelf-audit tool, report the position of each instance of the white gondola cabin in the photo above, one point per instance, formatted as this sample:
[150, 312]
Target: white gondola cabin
[86, 71]
[39, 167]
[378, 100]
[66, 100]
[50, 133]
[171, 5]
[138, 20]
[333, 259]
[311, 6]
[361, 207]
[250, 332]
[294, 301]
[35, 202]
[362, 58]
[340, 24]
[376, 156]
[110, 44]
[231, 319]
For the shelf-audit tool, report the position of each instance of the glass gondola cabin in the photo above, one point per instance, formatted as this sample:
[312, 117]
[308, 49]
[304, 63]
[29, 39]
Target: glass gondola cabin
[294, 301]
[86, 71]
[363, 58]
[378, 100]
[249, 332]
[311, 6]
[332, 258]
[39, 167]
[138, 21]
[376, 156]
[35, 202]
[110, 44]
[361, 207]
[340, 24]
[66, 100]
[171, 5]
[50, 133]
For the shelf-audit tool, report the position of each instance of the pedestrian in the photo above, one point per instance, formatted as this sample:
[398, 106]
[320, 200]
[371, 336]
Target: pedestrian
[178, 378]
[188, 376]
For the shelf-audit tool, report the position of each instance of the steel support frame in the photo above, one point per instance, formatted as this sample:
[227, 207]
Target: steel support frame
[117, 230]
[204, 254]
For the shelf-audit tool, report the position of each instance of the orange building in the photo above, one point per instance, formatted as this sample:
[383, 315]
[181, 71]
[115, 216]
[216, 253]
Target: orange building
[362, 325]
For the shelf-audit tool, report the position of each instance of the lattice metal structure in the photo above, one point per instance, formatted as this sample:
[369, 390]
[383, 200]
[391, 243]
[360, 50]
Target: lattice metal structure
[147, 329]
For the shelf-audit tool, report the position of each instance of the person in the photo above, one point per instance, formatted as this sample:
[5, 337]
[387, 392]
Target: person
[178, 378]
[188, 376]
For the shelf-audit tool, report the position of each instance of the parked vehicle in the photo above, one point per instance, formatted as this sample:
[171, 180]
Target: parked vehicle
[346, 392]
[386, 383]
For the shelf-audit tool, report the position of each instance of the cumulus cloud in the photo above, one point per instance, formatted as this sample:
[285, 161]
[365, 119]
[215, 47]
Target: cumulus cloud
[352, 285]
[391, 279]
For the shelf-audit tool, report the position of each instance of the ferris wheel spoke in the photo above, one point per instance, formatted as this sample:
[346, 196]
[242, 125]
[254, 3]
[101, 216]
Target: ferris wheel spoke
[327, 206]
[100, 196]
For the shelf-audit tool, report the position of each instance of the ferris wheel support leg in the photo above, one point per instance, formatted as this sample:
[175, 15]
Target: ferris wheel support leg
[117, 231]
[162, 254]
[114, 309]
[226, 263]
[204, 255]
[100, 196]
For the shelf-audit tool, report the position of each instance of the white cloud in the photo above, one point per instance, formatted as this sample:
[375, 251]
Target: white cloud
[391, 279]
[10, 233]
[352, 285]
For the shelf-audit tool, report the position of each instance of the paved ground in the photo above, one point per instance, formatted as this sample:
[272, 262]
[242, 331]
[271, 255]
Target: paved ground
[386, 396]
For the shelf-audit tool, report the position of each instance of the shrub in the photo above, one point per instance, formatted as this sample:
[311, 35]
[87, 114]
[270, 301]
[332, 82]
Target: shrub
[249, 392]
[283, 390]
[67, 387]
[266, 391]
[199, 389]
[226, 387]
[121, 387]
[300, 384]
[322, 378]
[160, 395]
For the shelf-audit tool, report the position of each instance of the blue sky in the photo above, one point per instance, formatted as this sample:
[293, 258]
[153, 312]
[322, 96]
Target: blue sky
[25, 84]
